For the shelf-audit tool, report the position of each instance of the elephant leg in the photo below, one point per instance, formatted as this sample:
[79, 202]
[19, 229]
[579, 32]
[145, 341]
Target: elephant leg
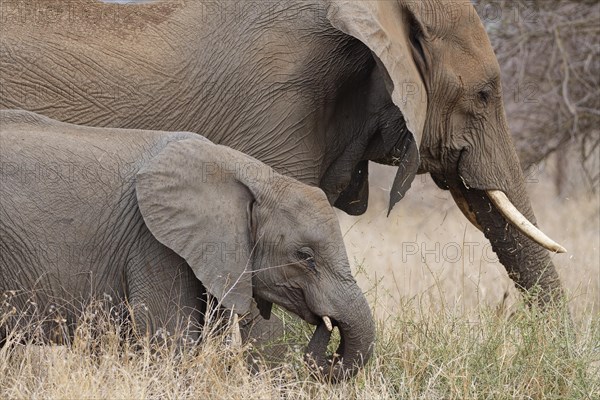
[166, 300]
[265, 336]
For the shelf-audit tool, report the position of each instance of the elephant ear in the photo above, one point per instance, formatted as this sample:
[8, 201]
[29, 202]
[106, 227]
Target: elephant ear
[386, 28]
[193, 203]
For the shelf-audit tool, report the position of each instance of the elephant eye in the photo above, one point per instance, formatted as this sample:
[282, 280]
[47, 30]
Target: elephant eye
[306, 255]
[484, 96]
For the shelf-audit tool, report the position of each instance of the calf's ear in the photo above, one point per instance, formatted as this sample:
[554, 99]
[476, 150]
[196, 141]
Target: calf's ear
[193, 202]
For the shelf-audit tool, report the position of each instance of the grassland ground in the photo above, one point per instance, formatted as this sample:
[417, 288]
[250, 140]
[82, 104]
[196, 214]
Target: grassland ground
[420, 354]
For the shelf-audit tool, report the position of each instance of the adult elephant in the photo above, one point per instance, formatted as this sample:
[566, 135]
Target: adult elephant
[314, 89]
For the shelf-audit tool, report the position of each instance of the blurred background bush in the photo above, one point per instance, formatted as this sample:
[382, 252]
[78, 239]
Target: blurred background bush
[548, 52]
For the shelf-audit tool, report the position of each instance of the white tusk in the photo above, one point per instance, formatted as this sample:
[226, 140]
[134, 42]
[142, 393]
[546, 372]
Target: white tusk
[504, 205]
[327, 323]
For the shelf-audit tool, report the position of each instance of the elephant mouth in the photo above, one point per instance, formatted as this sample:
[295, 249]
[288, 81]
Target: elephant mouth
[321, 363]
[460, 191]
[311, 318]
[350, 356]
[356, 328]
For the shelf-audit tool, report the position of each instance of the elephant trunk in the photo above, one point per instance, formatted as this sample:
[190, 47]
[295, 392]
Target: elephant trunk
[525, 260]
[357, 333]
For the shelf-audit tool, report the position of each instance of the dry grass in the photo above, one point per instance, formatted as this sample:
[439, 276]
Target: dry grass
[445, 329]
[419, 355]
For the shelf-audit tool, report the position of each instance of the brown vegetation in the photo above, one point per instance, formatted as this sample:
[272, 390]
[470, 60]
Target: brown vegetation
[549, 55]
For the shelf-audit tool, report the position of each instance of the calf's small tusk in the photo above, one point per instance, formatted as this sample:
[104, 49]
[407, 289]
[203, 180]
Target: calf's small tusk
[514, 216]
[328, 324]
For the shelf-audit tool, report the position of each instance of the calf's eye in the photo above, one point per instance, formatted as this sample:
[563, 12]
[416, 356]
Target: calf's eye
[306, 255]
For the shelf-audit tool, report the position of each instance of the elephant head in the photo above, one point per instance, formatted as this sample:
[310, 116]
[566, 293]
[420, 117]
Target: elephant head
[441, 73]
[248, 232]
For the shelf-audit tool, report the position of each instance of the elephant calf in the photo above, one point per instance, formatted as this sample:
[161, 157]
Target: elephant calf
[160, 219]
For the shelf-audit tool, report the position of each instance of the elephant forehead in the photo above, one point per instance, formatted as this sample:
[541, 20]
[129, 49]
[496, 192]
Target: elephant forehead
[453, 21]
[469, 70]
[443, 16]
[303, 204]
[466, 32]
[310, 199]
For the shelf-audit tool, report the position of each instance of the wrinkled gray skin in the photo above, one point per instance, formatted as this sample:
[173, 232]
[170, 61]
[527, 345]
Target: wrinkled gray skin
[290, 84]
[159, 218]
